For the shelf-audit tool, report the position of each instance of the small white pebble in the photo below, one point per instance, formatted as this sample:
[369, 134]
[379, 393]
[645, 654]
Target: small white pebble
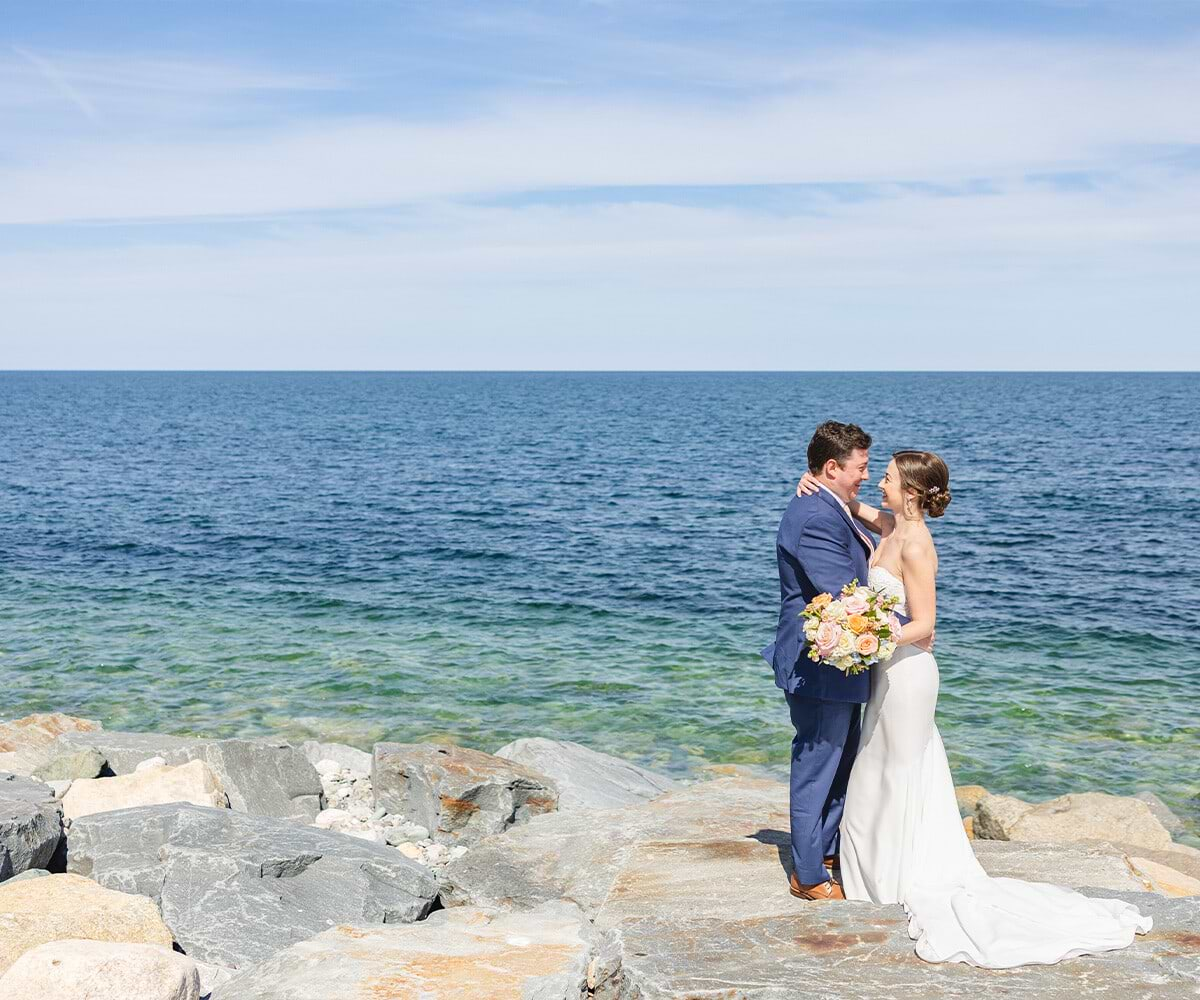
[151, 762]
[409, 851]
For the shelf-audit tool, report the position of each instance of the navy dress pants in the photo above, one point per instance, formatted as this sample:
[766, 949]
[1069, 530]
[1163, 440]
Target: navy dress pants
[823, 752]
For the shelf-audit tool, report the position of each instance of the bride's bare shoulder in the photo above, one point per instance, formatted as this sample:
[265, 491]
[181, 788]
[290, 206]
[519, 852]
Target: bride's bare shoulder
[919, 551]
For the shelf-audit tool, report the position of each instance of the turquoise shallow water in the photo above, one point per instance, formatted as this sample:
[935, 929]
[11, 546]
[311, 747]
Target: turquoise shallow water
[589, 556]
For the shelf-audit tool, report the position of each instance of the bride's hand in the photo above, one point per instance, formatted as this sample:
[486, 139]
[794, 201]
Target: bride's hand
[807, 485]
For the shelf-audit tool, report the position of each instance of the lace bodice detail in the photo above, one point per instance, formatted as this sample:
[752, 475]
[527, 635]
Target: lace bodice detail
[886, 582]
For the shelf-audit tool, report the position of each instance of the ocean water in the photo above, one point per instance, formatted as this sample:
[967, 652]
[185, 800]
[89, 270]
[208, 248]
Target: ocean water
[478, 557]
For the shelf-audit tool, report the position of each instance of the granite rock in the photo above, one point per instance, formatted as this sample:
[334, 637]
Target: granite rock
[101, 970]
[30, 873]
[580, 855]
[86, 762]
[848, 951]
[542, 954]
[347, 757]
[24, 743]
[1162, 812]
[460, 795]
[30, 825]
[192, 782]
[690, 894]
[1095, 864]
[1164, 879]
[1078, 816]
[585, 778]
[236, 888]
[69, 907]
[968, 797]
[260, 777]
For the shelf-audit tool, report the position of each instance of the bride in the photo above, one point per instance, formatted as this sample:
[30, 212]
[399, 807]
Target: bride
[902, 840]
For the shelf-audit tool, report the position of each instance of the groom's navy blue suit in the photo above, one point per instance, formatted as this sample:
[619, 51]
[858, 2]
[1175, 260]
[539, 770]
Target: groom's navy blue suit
[819, 550]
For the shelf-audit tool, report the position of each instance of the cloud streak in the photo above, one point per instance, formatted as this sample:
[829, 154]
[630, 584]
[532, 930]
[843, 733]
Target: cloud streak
[944, 115]
[60, 83]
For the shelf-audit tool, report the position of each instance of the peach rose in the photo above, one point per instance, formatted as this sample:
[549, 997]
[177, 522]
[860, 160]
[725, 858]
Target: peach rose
[854, 605]
[858, 624]
[896, 627]
[820, 601]
[866, 645]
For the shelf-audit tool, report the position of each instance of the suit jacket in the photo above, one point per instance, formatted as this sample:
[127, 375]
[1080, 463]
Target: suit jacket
[818, 551]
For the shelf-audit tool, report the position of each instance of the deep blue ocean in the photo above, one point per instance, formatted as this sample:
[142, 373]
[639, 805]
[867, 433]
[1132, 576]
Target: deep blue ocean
[478, 557]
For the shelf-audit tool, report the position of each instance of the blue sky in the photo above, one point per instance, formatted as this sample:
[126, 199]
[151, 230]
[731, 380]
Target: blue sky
[611, 185]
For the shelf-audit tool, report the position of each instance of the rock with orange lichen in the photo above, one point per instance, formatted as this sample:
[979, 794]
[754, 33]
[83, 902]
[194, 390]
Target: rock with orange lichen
[462, 954]
[459, 795]
[25, 743]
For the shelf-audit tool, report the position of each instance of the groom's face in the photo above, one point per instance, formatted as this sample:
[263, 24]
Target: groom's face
[848, 478]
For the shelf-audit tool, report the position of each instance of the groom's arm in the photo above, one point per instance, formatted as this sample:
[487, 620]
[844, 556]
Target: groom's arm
[824, 553]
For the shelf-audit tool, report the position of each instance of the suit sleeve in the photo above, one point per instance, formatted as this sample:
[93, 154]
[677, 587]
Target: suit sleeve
[824, 551]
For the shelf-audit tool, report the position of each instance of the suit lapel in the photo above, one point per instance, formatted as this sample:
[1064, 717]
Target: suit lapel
[861, 535]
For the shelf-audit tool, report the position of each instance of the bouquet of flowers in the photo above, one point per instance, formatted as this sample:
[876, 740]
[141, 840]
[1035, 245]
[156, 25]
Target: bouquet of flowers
[854, 632]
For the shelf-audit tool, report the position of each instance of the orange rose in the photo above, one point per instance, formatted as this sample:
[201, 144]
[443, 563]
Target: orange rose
[858, 624]
[820, 601]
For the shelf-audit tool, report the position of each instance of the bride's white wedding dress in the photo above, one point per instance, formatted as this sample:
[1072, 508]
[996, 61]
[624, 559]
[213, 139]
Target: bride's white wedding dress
[902, 841]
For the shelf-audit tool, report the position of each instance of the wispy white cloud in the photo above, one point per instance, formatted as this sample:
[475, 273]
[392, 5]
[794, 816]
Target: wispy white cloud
[942, 114]
[60, 84]
[914, 279]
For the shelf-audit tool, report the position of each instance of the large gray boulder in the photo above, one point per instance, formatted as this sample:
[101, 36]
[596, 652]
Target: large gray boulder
[459, 795]
[859, 950]
[586, 778]
[234, 888]
[542, 954]
[1078, 816]
[690, 893]
[30, 825]
[261, 777]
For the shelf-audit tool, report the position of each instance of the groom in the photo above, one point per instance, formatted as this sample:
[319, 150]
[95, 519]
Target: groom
[820, 549]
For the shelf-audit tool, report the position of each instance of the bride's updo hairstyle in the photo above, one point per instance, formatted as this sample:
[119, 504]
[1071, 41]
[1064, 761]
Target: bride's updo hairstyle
[926, 475]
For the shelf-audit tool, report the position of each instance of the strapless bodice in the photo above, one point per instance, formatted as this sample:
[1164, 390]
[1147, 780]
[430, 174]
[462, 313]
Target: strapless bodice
[886, 582]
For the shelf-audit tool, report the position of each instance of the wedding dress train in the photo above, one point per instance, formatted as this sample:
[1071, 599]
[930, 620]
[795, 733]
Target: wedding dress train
[902, 841]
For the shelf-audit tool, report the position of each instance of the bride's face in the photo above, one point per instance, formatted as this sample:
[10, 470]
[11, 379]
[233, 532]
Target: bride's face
[889, 486]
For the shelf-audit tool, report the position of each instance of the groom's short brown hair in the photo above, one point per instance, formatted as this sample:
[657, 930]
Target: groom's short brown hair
[836, 441]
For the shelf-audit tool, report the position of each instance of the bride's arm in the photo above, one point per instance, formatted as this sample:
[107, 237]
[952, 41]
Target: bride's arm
[920, 590]
[878, 521]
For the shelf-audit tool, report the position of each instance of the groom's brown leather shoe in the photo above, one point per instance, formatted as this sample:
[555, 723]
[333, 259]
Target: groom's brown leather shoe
[831, 863]
[822, 890]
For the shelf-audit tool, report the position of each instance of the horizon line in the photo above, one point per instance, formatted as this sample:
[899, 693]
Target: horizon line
[598, 371]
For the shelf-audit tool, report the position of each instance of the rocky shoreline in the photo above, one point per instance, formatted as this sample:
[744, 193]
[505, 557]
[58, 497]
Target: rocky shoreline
[178, 868]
